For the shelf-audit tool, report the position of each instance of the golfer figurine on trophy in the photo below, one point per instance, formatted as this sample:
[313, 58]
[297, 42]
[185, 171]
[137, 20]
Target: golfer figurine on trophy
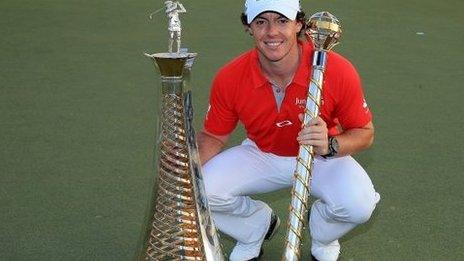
[173, 8]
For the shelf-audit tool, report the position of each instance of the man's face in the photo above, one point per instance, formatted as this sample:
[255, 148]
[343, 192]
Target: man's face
[275, 35]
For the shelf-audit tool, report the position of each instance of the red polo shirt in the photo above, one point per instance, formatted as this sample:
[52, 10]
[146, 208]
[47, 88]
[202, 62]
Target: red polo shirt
[240, 92]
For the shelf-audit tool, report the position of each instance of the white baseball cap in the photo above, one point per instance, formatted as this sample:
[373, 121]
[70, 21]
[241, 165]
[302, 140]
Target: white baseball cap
[288, 8]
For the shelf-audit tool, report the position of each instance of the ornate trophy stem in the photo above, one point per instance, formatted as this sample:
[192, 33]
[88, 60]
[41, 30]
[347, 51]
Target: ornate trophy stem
[324, 31]
[179, 225]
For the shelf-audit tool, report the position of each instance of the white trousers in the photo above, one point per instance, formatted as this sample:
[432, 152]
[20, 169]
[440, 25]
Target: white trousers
[346, 196]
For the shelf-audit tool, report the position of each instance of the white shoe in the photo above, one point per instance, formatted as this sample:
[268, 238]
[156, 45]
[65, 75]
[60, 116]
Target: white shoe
[243, 252]
[325, 252]
[252, 252]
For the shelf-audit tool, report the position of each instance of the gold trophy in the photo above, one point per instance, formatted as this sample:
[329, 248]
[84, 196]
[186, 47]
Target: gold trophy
[179, 224]
[324, 30]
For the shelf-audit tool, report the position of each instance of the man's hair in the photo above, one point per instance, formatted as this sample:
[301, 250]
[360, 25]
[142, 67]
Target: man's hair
[300, 17]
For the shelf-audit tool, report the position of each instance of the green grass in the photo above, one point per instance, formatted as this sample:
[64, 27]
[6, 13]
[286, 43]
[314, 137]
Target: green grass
[78, 106]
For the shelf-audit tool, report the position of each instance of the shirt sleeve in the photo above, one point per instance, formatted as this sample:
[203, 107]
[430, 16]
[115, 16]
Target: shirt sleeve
[221, 117]
[352, 110]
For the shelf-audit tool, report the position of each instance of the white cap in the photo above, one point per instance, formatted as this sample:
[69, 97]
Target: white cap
[288, 8]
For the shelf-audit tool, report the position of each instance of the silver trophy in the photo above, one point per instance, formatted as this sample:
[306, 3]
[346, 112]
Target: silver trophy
[179, 225]
[324, 31]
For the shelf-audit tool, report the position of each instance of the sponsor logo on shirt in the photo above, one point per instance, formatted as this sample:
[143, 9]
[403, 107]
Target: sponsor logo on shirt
[207, 112]
[365, 106]
[302, 102]
[283, 123]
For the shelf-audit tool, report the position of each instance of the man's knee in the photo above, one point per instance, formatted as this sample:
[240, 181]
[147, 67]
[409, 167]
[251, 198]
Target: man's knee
[221, 203]
[361, 213]
[360, 209]
[219, 199]
[354, 210]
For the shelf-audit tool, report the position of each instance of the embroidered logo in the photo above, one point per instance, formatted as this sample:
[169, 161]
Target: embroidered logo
[301, 103]
[207, 112]
[283, 123]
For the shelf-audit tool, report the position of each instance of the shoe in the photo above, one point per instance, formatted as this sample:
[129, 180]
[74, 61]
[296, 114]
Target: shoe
[258, 257]
[325, 252]
[273, 227]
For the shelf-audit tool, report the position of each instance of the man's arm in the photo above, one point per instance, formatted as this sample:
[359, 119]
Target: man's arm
[355, 140]
[181, 8]
[209, 145]
[350, 141]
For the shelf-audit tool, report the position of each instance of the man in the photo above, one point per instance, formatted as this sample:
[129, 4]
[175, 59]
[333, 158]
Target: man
[265, 89]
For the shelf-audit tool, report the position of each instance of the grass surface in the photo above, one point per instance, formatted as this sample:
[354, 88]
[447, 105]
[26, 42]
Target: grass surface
[78, 106]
